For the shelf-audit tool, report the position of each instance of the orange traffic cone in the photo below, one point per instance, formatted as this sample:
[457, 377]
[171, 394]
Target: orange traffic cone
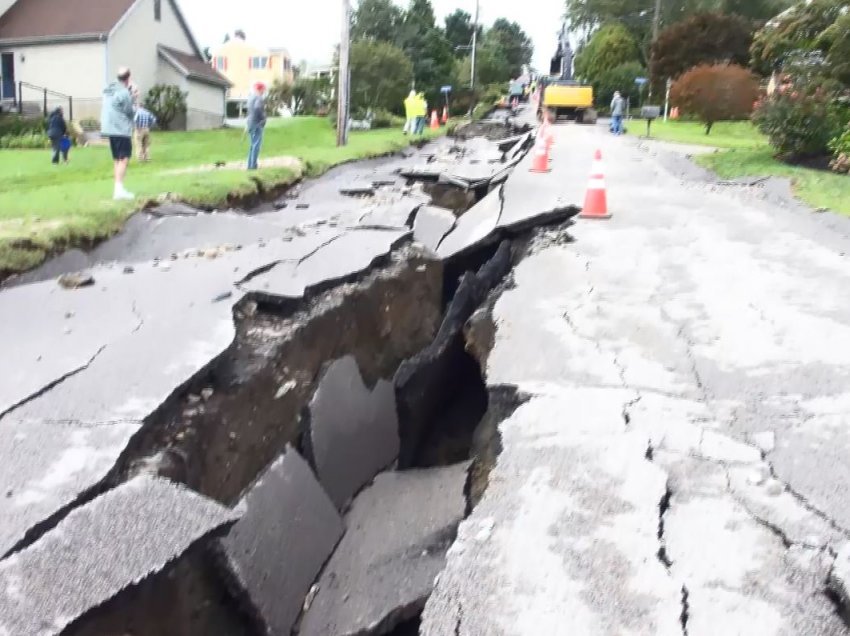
[540, 163]
[445, 118]
[596, 201]
[435, 120]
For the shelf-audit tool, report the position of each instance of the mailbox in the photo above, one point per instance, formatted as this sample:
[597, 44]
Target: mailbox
[650, 112]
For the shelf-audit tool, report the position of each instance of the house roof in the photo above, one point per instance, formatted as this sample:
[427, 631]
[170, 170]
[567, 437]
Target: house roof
[66, 20]
[192, 66]
[34, 21]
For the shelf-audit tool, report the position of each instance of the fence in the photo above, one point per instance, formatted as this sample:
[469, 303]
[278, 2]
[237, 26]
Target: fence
[45, 99]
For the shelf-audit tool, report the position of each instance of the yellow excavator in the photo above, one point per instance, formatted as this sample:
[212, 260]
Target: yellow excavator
[564, 97]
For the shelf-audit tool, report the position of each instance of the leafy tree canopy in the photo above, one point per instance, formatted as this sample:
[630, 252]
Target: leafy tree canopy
[377, 20]
[381, 76]
[459, 29]
[705, 38]
[610, 46]
[805, 28]
[513, 43]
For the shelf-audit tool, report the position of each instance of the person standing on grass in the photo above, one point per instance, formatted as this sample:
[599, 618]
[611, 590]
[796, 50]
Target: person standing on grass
[144, 121]
[421, 113]
[409, 113]
[57, 130]
[256, 123]
[117, 124]
[618, 106]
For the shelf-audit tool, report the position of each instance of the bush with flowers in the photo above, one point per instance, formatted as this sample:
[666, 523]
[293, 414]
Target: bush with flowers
[806, 111]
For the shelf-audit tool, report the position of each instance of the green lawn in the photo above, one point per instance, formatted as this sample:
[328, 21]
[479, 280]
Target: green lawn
[746, 153]
[817, 188]
[724, 134]
[44, 207]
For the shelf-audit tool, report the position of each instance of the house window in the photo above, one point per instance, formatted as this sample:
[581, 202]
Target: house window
[157, 10]
[258, 62]
[220, 63]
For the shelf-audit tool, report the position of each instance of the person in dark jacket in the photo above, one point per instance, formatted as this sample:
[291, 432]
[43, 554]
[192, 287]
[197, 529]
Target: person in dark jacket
[57, 129]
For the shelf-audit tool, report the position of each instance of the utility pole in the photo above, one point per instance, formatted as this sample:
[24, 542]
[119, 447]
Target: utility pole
[656, 27]
[474, 45]
[656, 20]
[343, 80]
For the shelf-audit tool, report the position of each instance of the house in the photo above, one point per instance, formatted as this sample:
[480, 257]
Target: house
[245, 64]
[73, 48]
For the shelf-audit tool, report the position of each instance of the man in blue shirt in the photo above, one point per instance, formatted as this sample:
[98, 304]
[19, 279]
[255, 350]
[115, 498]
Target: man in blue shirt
[116, 123]
[256, 123]
[144, 121]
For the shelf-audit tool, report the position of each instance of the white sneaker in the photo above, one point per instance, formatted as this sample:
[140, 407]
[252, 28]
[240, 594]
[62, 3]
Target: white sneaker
[123, 195]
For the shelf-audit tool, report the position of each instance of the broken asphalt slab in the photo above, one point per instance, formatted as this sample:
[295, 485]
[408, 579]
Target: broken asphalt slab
[431, 225]
[475, 227]
[351, 253]
[565, 538]
[274, 553]
[352, 430]
[101, 549]
[397, 534]
[150, 333]
[430, 379]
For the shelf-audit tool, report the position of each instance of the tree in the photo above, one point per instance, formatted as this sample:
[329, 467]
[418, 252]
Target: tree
[166, 102]
[279, 95]
[637, 15]
[836, 41]
[381, 75]
[426, 46]
[705, 38]
[620, 78]
[801, 29]
[459, 29]
[512, 42]
[310, 94]
[610, 47]
[491, 67]
[377, 20]
[716, 92]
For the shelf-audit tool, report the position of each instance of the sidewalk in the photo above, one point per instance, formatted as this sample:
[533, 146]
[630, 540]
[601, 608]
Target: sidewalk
[680, 466]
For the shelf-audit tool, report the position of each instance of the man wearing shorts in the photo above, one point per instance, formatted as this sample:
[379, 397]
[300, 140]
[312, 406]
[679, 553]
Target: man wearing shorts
[116, 123]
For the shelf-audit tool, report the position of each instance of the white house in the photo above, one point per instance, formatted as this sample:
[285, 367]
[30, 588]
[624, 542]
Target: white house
[75, 47]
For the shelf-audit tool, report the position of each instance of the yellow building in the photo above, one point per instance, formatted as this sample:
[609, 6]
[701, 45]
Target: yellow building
[245, 64]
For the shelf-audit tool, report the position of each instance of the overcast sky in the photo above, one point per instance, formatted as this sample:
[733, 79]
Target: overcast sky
[309, 29]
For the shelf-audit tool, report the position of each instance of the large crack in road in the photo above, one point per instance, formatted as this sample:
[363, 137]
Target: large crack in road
[259, 362]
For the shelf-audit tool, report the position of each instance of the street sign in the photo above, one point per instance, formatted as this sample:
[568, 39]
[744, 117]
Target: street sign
[446, 89]
[640, 81]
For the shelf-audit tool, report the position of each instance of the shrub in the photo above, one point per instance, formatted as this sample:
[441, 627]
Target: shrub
[716, 93]
[622, 78]
[166, 102]
[90, 123]
[840, 146]
[279, 95]
[15, 125]
[804, 114]
[705, 38]
[27, 140]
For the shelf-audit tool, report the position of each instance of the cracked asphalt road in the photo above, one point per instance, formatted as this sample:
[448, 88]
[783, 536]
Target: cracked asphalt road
[681, 466]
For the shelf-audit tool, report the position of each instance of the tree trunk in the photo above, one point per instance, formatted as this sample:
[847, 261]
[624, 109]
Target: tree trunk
[708, 126]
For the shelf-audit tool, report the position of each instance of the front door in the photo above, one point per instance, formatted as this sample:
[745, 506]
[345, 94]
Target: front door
[7, 72]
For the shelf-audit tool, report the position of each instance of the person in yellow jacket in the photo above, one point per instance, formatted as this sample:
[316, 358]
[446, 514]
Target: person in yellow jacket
[421, 113]
[410, 105]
